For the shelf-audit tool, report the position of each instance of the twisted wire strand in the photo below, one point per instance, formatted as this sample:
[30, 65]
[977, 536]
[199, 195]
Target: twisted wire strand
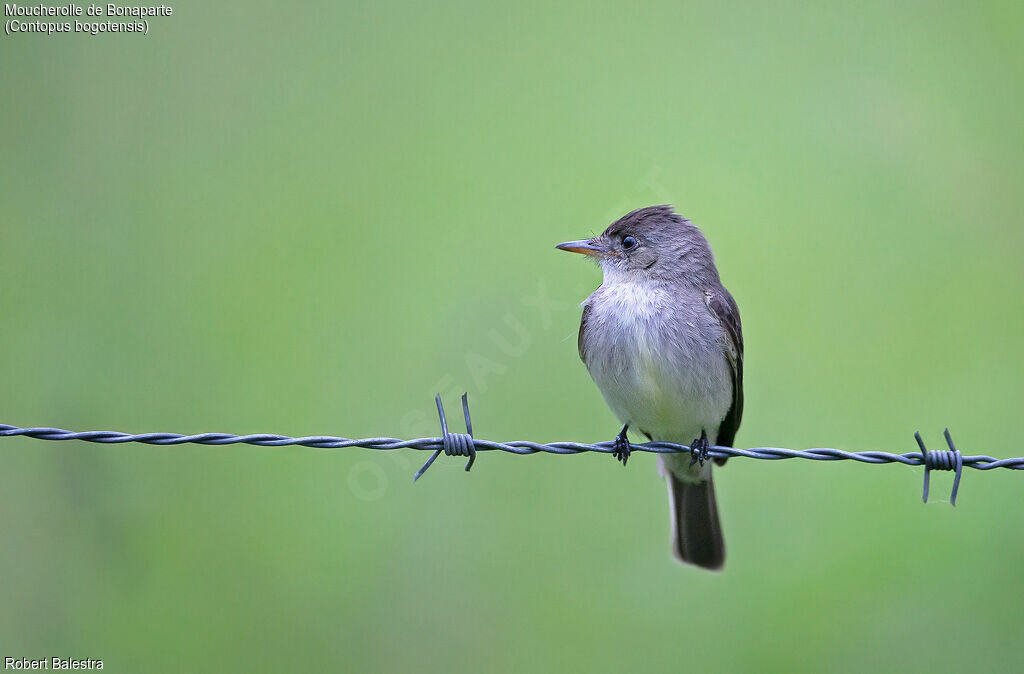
[464, 444]
[522, 447]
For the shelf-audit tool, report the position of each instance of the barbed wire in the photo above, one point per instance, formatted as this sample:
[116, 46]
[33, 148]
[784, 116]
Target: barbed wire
[464, 444]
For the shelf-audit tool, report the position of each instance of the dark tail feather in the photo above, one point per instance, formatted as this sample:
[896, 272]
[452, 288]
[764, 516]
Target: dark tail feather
[697, 538]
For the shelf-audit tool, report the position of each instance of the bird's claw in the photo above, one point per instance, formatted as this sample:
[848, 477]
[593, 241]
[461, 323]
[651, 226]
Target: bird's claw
[622, 449]
[699, 449]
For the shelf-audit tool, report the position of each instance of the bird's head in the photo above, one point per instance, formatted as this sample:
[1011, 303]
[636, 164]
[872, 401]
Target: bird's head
[650, 243]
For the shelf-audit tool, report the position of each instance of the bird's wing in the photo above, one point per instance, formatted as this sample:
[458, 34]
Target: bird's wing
[583, 326]
[723, 306]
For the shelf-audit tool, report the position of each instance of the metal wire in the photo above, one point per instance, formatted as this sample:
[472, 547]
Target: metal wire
[464, 444]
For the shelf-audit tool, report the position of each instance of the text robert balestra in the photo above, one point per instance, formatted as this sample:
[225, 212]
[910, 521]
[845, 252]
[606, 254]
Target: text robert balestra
[56, 663]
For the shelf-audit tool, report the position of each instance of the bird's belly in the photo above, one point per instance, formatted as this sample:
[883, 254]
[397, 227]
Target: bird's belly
[664, 403]
[670, 386]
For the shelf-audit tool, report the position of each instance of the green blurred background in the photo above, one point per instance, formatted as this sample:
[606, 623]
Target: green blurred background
[307, 220]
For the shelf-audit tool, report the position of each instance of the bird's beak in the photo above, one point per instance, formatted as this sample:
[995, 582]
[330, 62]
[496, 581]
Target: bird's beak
[591, 247]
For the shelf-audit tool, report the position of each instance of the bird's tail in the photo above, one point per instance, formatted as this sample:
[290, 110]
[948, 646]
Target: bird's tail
[696, 531]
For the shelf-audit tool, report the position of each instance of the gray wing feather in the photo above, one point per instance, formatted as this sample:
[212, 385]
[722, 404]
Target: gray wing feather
[583, 326]
[723, 306]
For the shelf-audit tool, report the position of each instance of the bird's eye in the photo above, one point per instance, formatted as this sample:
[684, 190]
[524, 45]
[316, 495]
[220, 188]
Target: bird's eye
[628, 242]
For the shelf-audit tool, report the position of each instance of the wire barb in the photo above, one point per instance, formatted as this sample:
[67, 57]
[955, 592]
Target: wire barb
[453, 444]
[941, 459]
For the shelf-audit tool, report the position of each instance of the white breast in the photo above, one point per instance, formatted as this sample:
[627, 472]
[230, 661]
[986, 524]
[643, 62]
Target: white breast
[656, 354]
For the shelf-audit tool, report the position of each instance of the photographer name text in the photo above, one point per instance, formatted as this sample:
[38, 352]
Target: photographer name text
[59, 664]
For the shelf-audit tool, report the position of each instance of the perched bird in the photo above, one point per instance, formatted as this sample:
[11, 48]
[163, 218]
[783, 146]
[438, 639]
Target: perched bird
[661, 338]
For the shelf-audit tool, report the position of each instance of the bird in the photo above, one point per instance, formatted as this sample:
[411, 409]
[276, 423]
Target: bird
[661, 337]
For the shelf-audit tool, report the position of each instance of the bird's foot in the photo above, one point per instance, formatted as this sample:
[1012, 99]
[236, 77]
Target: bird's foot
[622, 448]
[699, 449]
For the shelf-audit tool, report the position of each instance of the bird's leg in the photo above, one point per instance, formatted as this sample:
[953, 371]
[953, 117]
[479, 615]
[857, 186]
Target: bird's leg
[622, 449]
[699, 449]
